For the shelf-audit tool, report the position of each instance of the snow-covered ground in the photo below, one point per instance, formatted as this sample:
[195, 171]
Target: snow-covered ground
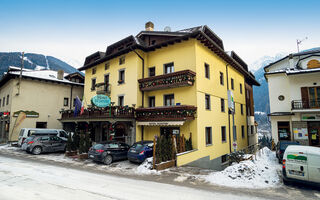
[123, 167]
[20, 179]
[260, 172]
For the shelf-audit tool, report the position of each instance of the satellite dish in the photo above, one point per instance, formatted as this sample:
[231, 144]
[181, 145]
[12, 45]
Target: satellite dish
[167, 29]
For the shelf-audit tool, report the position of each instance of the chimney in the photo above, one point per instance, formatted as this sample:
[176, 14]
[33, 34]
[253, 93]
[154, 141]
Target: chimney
[60, 74]
[291, 61]
[149, 26]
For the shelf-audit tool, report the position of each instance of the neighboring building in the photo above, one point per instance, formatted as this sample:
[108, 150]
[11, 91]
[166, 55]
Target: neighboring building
[294, 91]
[178, 83]
[40, 94]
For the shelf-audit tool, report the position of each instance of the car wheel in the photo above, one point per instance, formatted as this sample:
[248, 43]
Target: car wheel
[107, 160]
[36, 150]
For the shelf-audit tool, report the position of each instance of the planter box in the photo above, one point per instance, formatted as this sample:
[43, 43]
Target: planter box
[70, 153]
[165, 165]
[83, 156]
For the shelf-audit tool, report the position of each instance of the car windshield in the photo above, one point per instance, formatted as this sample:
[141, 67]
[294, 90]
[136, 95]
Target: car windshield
[283, 146]
[98, 146]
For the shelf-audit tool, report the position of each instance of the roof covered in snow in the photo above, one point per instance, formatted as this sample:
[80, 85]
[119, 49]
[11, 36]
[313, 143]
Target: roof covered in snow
[46, 75]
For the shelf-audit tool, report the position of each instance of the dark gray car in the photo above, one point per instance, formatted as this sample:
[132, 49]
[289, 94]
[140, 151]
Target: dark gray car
[46, 143]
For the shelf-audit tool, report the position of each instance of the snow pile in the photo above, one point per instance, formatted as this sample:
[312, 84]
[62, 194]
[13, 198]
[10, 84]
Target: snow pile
[261, 172]
[146, 168]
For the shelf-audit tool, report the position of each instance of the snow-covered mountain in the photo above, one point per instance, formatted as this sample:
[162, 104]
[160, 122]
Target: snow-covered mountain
[33, 61]
[261, 94]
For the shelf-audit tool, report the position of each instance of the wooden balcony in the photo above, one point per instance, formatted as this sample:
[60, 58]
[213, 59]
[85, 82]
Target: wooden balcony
[300, 104]
[167, 113]
[165, 81]
[99, 113]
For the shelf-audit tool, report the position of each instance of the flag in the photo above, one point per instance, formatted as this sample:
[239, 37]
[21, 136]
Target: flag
[82, 107]
[77, 106]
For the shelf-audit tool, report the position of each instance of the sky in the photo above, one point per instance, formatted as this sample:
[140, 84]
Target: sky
[71, 30]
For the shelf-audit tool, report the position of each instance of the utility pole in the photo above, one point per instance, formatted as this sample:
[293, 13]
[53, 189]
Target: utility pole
[20, 77]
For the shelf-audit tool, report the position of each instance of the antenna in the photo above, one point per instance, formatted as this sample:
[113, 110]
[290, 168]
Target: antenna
[300, 41]
[167, 29]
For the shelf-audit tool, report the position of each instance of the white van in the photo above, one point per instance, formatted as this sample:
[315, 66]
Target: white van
[301, 164]
[26, 132]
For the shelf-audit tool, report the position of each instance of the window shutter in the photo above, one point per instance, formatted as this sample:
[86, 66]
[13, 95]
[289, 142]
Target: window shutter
[305, 97]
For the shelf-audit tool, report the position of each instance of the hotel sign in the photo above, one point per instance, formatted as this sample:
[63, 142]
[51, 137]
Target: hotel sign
[161, 123]
[101, 101]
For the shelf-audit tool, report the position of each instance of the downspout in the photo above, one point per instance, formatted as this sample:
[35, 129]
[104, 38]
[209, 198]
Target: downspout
[71, 97]
[142, 100]
[228, 109]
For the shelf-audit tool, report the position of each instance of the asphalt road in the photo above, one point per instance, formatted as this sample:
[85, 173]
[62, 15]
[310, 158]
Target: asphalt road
[24, 176]
[21, 179]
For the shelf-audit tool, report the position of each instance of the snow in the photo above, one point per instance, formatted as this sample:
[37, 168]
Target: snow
[146, 168]
[43, 74]
[47, 62]
[20, 179]
[261, 172]
[260, 113]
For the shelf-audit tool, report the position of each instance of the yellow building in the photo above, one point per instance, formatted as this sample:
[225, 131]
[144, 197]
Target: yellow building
[178, 83]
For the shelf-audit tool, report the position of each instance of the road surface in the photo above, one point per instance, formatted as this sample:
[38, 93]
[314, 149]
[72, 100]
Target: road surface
[21, 179]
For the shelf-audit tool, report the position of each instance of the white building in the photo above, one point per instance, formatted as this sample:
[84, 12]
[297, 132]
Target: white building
[40, 94]
[294, 92]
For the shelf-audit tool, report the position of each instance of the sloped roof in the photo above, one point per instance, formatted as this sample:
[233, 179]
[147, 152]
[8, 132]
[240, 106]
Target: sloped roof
[202, 33]
[45, 75]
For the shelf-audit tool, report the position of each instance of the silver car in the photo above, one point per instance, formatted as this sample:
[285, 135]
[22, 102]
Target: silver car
[47, 143]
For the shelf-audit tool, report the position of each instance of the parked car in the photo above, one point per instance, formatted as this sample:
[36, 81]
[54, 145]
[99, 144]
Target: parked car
[45, 143]
[301, 164]
[139, 151]
[26, 132]
[25, 142]
[281, 147]
[109, 152]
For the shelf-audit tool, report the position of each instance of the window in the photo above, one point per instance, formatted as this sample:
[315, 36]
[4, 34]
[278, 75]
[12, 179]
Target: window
[0, 102]
[3, 101]
[252, 130]
[94, 70]
[74, 102]
[152, 101]
[121, 76]
[168, 68]
[208, 136]
[222, 105]
[122, 60]
[120, 100]
[207, 70]
[106, 79]
[240, 88]
[169, 100]
[223, 134]
[41, 124]
[221, 79]
[153, 42]
[207, 101]
[242, 131]
[224, 158]
[65, 101]
[241, 106]
[7, 99]
[152, 71]
[93, 84]
[106, 66]
[232, 84]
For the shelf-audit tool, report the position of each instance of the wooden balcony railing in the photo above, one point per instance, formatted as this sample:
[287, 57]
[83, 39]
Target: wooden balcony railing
[167, 113]
[165, 81]
[300, 104]
[108, 112]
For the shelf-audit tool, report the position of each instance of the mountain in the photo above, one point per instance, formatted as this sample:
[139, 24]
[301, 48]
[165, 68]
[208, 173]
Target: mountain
[33, 61]
[261, 94]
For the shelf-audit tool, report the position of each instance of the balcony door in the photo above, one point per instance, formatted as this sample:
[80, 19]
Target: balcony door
[314, 97]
